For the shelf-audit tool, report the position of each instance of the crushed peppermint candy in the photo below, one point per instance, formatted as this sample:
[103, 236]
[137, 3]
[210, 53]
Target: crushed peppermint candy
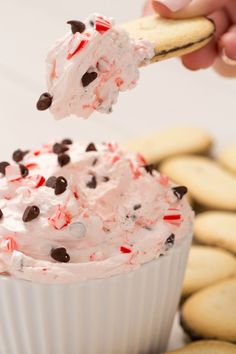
[124, 249]
[8, 244]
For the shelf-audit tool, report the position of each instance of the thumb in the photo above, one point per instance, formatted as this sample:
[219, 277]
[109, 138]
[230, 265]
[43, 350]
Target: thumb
[171, 5]
[186, 8]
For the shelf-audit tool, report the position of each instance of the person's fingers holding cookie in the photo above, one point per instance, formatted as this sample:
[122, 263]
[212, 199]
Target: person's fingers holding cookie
[220, 52]
[206, 56]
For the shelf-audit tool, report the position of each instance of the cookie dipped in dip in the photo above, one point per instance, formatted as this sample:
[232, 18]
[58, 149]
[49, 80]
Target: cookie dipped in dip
[90, 65]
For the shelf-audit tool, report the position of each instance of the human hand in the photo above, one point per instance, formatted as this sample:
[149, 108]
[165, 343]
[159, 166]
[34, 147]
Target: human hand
[221, 51]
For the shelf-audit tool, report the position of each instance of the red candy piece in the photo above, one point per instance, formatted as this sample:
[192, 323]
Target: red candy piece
[37, 153]
[40, 181]
[164, 180]
[102, 25]
[9, 244]
[76, 195]
[115, 159]
[31, 166]
[125, 249]
[136, 172]
[119, 82]
[142, 161]
[7, 197]
[172, 217]
[112, 147]
[60, 219]
[13, 173]
[35, 181]
[72, 51]
[85, 215]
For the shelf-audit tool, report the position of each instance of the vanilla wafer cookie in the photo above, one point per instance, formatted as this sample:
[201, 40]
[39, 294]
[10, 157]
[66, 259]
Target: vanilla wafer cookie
[172, 141]
[216, 228]
[172, 37]
[227, 158]
[206, 266]
[206, 347]
[208, 182]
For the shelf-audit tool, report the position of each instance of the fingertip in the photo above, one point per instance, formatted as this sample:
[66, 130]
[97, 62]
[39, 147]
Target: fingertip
[223, 69]
[161, 9]
[148, 8]
[189, 64]
[228, 43]
[202, 58]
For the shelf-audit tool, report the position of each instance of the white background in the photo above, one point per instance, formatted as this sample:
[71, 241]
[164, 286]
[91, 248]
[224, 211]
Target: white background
[166, 94]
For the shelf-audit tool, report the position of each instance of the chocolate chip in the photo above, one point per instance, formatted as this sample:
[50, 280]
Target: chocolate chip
[91, 23]
[170, 241]
[60, 185]
[30, 213]
[24, 170]
[1, 214]
[147, 228]
[77, 26]
[105, 179]
[90, 147]
[60, 255]
[67, 141]
[88, 77]
[63, 159]
[93, 183]
[149, 168]
[18, 155]
[59, 148]
[44, 101]
[3, 166]
[137, 206]
[180, 191]
[51, 182]
[94, 162]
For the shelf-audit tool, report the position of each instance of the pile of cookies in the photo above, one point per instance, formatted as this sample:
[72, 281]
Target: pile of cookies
[208, 306]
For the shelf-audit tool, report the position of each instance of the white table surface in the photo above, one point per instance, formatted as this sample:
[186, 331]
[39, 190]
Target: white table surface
[167, 93]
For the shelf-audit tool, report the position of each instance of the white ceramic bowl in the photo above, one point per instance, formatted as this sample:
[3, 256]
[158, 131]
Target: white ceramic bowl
[125, 314]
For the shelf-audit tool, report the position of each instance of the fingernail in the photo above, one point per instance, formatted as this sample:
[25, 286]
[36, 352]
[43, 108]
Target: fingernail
[174, 5]
[148, 9]
[226, 59]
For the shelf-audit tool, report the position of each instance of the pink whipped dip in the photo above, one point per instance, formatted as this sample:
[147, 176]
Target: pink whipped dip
[71, 212]
[90, 65]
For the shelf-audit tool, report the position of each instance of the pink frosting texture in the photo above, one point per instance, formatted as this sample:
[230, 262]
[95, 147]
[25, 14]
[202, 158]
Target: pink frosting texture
[87, 69]
[74, 211]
